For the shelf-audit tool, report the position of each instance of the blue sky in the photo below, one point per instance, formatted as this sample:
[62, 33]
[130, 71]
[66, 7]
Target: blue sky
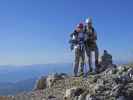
[37, 31]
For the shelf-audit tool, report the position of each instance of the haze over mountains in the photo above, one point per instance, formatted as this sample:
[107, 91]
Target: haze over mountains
[16, 73]
[15, 79]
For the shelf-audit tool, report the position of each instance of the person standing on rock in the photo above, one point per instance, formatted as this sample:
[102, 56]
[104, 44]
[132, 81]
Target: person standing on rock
[77, 43]
[90, 43]
[106, 62]
[106, 58]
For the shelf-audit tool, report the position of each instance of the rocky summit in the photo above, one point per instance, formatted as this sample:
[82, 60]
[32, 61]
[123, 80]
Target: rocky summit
[114, 83]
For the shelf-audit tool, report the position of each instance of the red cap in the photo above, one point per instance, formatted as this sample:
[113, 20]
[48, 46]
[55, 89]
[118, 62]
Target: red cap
[80, 25]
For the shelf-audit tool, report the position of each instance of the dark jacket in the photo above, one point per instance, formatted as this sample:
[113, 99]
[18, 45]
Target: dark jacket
[91, 33]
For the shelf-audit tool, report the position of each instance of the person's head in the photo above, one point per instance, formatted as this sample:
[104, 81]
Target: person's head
[105, 51]
[80, 27]
[89, 21]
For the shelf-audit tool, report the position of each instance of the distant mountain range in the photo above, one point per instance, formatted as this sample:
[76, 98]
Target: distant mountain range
[9, 73]
[18, 87]
[16, 79]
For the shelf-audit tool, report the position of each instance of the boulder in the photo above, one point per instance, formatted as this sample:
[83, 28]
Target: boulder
[73, 92]
[54, 77]
[48, 81]
[41, 83]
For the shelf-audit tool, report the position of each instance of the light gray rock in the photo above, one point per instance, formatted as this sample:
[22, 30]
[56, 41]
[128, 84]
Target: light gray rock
[70, 93]
[41, 83]
[121, 98]
[50, 79]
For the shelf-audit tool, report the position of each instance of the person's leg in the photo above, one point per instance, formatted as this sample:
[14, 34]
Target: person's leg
[76, 65]
[90, 61]
[89, 56]
[87, 52]
[82, 57]
[96, 56]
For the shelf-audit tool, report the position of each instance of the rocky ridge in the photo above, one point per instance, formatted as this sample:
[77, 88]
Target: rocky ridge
[111, 84]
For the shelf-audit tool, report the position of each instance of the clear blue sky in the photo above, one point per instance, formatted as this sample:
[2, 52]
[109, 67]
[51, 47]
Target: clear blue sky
[37, 31]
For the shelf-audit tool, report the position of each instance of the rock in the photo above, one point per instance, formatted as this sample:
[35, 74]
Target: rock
[101, 67]
[54, 77]
[116, 90]
[41, 83]
[70, 93]
[52, 98]
[91, 97]
[130, 73]
[62, 76]
[50, 80]
[47, 81]
[121, 98]
[73, 92]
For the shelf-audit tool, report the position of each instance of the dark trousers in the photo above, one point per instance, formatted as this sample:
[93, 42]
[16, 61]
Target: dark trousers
[89, 48]
[79, 61]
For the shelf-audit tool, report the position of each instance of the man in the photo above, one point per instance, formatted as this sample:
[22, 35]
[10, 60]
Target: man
[77, 43]
[106, 62]
[90, 43]
[106, 58]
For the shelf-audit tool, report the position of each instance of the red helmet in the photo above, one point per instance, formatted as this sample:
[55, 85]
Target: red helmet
[80, 25]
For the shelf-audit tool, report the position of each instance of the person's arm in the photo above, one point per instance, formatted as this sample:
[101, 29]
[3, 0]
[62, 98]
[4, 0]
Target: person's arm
[72, 40]
[71, 35]
[95, 34]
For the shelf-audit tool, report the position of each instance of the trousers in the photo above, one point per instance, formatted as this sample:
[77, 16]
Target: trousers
[79, 61]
